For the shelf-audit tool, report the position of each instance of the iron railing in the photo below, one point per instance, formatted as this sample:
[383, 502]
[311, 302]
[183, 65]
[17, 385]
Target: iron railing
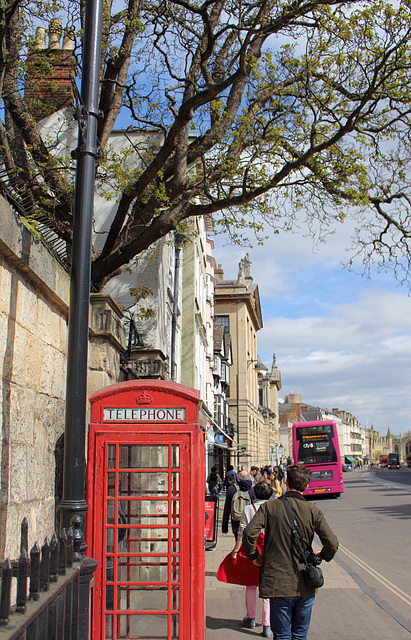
[19, 196]
[45, 595]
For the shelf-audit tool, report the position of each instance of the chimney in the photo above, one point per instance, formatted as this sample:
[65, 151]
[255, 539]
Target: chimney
[219, 273]
[47, 86]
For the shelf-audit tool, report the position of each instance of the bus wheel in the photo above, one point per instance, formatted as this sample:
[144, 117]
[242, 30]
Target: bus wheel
[336, 495]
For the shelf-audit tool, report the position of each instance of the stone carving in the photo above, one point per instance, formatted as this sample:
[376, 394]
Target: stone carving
[244, 269]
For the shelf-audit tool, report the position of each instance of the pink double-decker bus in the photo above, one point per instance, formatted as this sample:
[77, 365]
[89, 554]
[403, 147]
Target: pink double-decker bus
[315, 444]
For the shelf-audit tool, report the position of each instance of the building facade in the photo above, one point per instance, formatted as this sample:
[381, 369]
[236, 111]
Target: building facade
[255, 425]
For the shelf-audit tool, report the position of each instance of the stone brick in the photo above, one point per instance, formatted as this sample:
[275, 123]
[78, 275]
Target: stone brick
[59, 409]
[58, 386]
[45, 521]
[17, 353]
[63, 333]
[49, 420]
[5, 286]
[18, 473]
[42, 422]
[26, 307]
[3, 336]
[41, 473]
[97, 358]
[48, 324]
[34, 356]
[13, 521]
[47, 371]
[21, 415]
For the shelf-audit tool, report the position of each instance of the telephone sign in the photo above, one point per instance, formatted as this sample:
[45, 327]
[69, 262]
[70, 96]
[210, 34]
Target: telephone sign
[146, 514]
[143, 415]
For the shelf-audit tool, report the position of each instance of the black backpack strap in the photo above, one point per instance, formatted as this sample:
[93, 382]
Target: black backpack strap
[294, 527]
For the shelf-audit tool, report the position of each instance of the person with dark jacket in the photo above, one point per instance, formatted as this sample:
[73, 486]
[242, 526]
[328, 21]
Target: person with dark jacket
[244, 483]
[230, 477]
[214, 481]
[281, 580]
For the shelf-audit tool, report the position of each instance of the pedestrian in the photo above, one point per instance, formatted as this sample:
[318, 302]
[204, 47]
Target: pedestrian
[265, 475]
[255, 474]
[214, 482]
[281, 577]
[276, 485]
[230, 477]
[279, 471]
[263, 492]
[245, 491]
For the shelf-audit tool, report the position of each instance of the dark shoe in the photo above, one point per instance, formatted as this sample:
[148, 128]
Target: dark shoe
[249, 623]
[266, 632]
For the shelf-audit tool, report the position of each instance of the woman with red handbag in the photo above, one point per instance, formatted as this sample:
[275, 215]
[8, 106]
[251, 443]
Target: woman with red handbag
[237, 569]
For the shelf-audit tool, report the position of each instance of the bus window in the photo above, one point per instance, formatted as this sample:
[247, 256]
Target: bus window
[315, 445]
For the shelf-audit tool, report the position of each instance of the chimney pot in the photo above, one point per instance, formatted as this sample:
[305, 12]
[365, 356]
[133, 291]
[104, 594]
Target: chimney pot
[55, 31]
[40, 42]
[68, 39]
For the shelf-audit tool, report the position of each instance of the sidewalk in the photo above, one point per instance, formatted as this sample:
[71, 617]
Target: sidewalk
[342, 611]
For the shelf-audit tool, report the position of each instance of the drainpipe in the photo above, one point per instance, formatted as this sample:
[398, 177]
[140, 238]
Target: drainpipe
[178, 242]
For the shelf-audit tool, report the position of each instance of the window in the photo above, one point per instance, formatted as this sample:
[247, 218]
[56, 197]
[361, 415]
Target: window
[225, 321]
[223, 372]
[218, 405]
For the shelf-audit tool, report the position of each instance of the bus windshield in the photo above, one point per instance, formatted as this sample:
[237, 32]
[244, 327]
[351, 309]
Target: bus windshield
[315, 444]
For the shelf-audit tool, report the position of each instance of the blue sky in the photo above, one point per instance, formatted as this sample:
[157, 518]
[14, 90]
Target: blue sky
[341, 340]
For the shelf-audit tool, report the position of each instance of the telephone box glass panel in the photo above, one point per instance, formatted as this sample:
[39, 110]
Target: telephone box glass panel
[142, 535]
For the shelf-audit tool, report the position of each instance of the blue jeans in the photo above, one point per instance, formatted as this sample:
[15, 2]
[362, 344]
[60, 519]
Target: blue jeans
[290, 617]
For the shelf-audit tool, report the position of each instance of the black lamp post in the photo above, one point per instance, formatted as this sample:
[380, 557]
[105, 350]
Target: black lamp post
[73, 506]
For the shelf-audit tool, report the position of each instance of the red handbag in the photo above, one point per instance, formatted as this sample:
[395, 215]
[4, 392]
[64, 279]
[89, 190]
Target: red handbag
[241, 570]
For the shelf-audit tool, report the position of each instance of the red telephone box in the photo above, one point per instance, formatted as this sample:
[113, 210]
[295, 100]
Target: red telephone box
[145, 525]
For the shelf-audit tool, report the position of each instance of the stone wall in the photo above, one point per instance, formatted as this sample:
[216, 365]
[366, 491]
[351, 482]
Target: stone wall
[34, 293]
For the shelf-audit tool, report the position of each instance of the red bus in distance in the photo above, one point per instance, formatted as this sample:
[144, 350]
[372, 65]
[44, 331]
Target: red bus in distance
[383, 461]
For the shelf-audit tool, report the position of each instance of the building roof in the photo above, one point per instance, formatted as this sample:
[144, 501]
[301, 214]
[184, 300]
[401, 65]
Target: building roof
[218, 337]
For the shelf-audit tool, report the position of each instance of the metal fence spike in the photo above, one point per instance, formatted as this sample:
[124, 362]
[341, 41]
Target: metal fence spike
[54, 558]
[34, 590]
[6, 576]
[63, 553]
[24, 544]
[70, 535]
[45, 566]
[23, 572]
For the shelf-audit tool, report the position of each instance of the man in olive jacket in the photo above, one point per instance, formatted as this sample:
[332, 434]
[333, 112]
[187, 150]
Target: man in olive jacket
[281, 580]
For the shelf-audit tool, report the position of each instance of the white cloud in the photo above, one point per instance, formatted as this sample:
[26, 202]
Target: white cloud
[340, 340]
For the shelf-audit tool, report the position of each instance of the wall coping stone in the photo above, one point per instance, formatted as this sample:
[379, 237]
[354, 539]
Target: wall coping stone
[25, 252]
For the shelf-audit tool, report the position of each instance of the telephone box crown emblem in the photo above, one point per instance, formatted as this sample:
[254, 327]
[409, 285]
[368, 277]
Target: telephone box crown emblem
[144, 398]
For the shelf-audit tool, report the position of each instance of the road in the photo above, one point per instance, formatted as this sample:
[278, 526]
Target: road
[367, 591]
[372, 520]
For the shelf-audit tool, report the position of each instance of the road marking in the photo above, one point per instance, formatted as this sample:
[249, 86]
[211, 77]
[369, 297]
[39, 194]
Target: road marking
[398, 617]
[389, 585]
